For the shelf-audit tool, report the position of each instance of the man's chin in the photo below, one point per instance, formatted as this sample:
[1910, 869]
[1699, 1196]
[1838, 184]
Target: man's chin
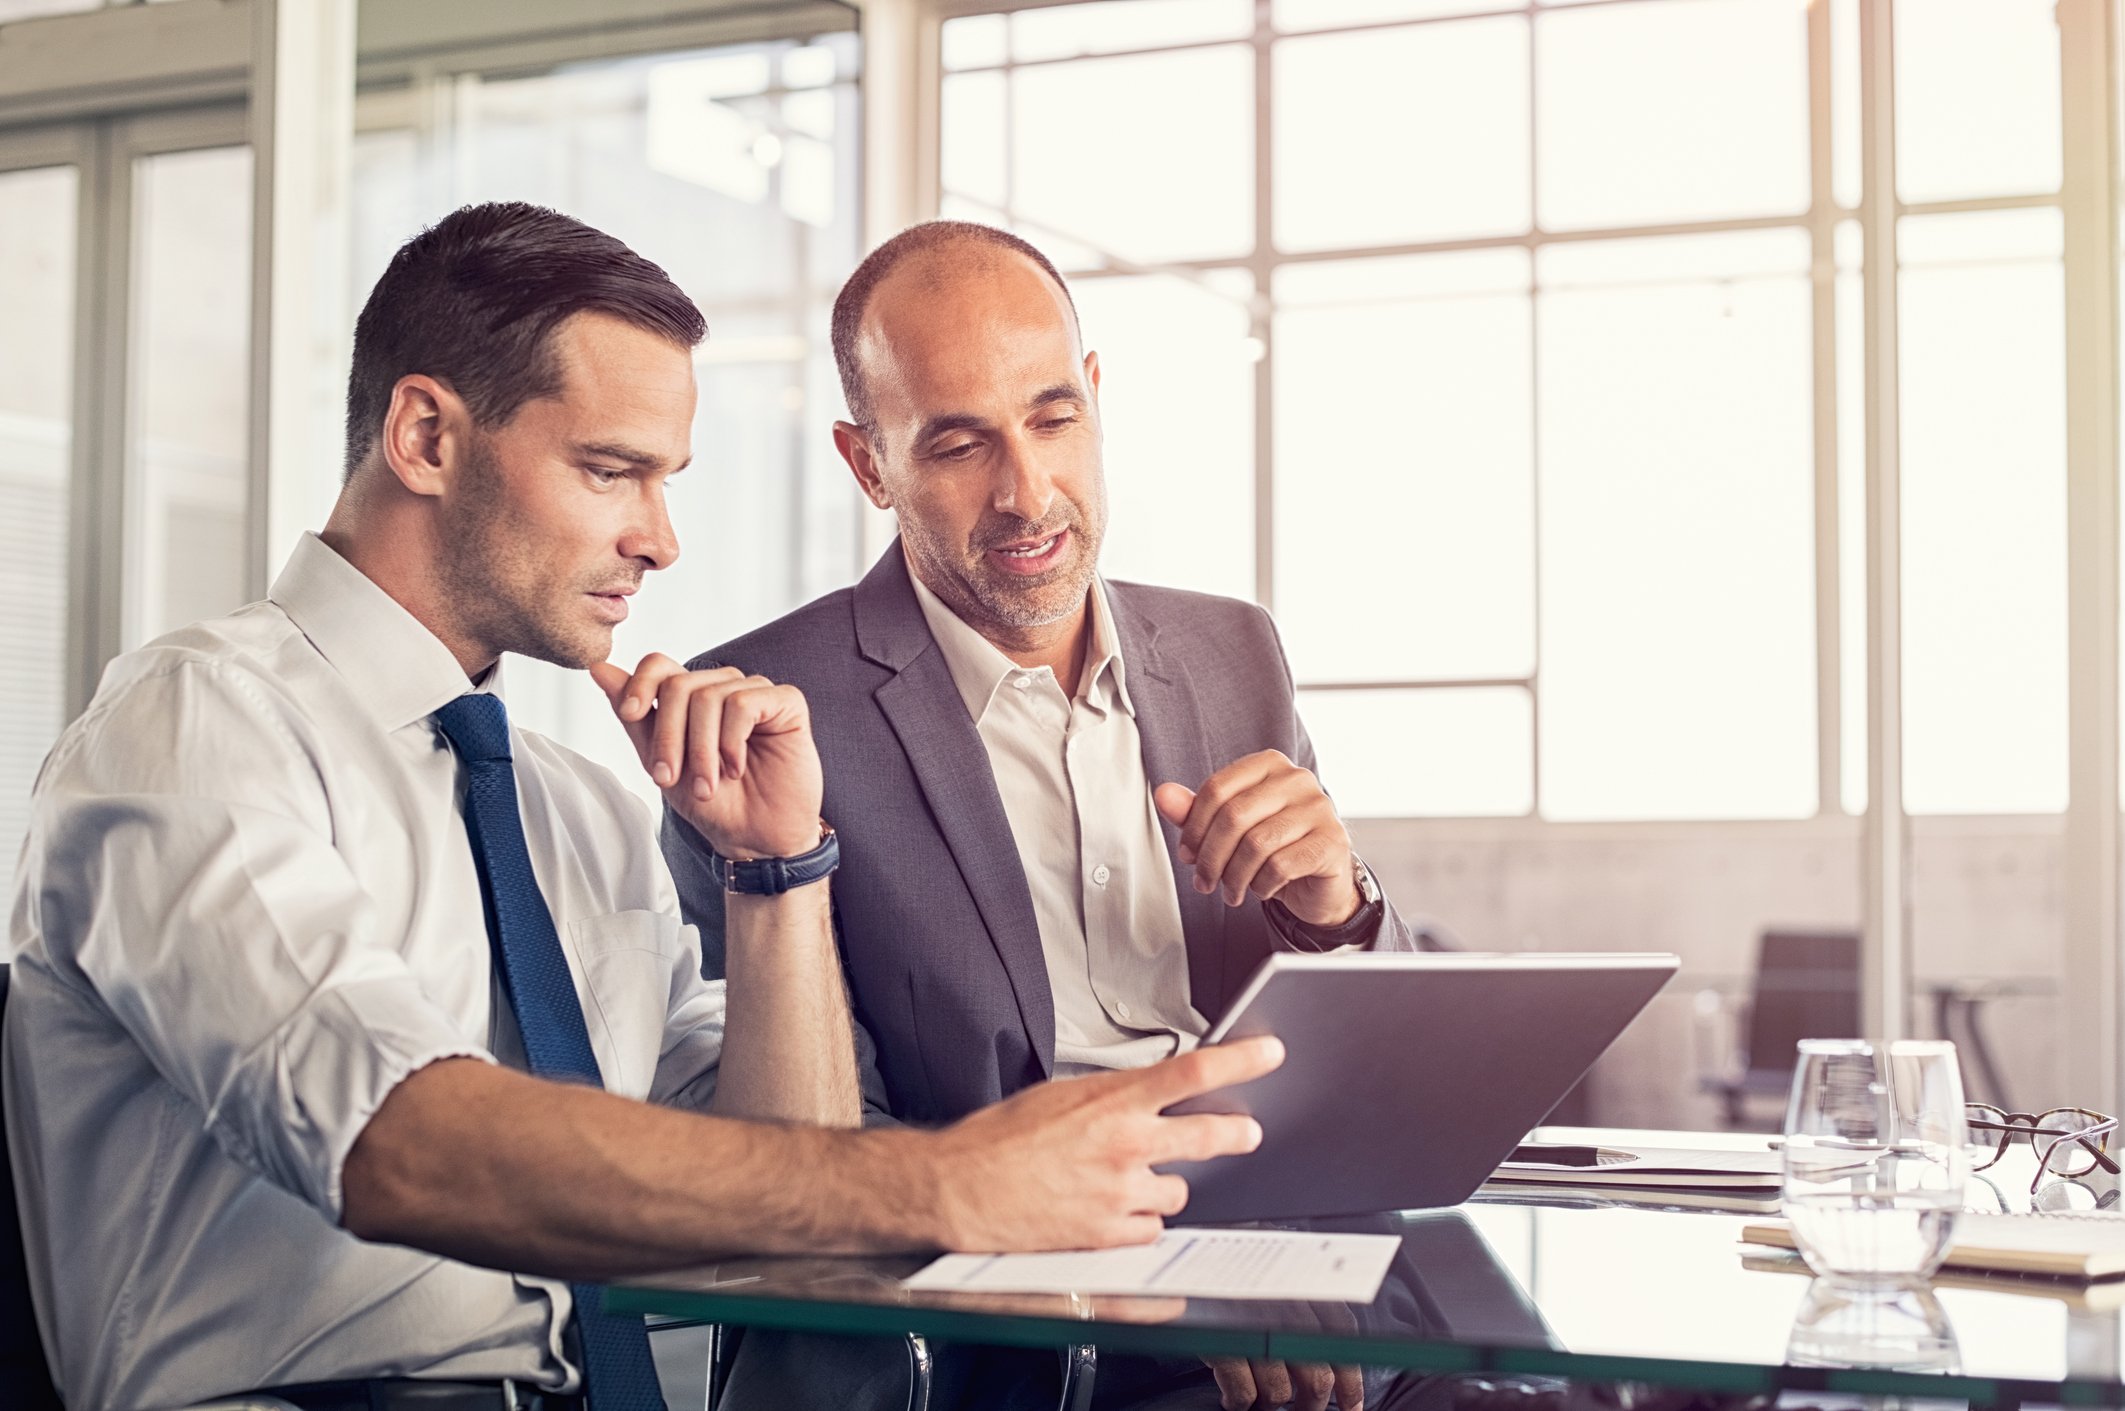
[574, 653]
[1034, 604]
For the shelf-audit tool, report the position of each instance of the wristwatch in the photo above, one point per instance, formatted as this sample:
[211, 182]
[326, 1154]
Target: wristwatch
[772, 876]
[1360, 927]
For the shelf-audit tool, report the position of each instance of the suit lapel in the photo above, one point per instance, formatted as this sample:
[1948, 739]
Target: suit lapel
[1176, 750]
[951, 765]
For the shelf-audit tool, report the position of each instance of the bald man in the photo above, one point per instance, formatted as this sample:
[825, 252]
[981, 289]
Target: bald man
[1076, 814]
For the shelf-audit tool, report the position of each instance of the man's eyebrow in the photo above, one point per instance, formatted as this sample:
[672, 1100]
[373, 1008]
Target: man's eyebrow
[1058, 392]
[952, 421]
[614, 450]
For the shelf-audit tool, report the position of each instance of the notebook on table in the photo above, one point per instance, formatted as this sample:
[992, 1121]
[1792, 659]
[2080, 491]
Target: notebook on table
[2067, 1244]
[1644, 1167]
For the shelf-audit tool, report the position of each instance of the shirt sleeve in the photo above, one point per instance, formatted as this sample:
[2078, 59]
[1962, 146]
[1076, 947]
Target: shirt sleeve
[184, 873]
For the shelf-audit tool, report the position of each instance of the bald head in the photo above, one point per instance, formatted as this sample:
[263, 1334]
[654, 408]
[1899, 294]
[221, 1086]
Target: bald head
[930, 259]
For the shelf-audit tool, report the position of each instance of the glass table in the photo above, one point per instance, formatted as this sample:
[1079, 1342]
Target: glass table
[1576, 1286]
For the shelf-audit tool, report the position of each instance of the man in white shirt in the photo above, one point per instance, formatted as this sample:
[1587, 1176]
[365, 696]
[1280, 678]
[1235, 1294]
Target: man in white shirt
[299, 909]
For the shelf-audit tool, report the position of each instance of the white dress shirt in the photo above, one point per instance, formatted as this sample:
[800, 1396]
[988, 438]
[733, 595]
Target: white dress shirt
[1070, 768]
[247, 908]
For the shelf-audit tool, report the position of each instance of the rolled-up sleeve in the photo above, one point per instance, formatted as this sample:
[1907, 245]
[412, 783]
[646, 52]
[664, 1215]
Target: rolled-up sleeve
[186, 875]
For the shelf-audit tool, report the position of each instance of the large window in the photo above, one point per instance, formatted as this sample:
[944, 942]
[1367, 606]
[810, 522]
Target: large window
[1507, 350]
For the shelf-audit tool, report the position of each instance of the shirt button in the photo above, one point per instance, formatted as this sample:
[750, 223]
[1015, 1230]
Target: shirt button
[1022, 682]
[1100, 874]
[1121, 1009]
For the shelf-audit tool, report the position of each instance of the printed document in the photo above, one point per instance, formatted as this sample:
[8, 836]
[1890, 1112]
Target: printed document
[1290, 1264]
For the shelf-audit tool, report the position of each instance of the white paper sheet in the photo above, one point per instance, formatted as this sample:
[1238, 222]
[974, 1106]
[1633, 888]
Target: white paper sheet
[1186, 1264]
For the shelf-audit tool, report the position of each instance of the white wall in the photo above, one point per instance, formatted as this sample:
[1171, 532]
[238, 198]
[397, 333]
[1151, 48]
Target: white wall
[1986, 902]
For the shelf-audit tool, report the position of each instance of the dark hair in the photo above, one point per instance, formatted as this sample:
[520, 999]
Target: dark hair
[474, 299]
[921, 239]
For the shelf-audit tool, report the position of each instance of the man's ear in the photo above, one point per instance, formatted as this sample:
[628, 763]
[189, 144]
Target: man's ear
[423, 435]
[1092, 374]
[855, 447]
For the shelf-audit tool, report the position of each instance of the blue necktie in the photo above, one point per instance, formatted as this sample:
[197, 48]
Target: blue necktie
[618, 1374]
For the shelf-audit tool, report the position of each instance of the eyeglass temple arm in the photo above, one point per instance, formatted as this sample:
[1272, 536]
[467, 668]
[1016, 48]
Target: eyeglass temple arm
[2084, 1137]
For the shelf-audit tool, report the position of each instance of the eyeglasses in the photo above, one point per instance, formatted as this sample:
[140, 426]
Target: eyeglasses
[2069, 1141]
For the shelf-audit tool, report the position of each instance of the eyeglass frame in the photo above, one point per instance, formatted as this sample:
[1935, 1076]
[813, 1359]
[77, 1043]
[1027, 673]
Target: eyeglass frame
[2013, 1124]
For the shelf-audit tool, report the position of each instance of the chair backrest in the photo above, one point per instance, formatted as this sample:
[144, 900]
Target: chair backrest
[26, 1379]
[1807, 987]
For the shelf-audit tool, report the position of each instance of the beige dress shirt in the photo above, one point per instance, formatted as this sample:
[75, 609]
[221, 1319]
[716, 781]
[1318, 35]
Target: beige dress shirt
[1070, 768]
[246, 909]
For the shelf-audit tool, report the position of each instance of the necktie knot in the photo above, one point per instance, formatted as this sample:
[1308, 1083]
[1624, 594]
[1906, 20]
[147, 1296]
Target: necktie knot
[477, 726]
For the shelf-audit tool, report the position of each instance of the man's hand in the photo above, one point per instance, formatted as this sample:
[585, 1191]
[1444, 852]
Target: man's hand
[1068, 1164]
[1263, 825]
[1245, 1384]
[732, 753]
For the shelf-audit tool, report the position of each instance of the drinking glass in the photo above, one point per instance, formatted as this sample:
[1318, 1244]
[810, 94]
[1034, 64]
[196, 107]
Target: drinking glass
[1875, 1158]
[1896, 1328]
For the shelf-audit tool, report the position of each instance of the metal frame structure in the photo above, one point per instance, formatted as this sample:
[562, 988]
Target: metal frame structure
[99, 89]
[2088, 200]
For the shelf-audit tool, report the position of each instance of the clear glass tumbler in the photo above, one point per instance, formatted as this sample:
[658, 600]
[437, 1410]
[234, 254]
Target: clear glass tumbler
[1876, 1158]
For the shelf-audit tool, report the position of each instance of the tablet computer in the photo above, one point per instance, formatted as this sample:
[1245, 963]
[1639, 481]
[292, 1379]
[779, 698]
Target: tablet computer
[1407, 1077]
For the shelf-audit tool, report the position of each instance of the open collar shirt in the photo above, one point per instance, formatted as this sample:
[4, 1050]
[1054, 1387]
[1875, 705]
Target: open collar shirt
[1070, 769]
[246, 910]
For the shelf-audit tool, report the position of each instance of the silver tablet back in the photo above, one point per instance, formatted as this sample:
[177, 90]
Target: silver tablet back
[1408, 1078]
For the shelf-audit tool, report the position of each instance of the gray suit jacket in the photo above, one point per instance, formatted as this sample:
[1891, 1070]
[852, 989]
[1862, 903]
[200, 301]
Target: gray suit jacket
[935, 920]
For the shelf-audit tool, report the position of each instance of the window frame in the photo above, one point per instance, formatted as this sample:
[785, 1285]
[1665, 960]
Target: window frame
[2088, 197]
[1819, 222]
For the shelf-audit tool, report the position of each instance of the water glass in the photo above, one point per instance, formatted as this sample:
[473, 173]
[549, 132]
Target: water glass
[1875, 1158]
[1896, 1329]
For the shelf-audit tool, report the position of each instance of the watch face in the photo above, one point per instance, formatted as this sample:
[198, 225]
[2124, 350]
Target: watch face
[1368, 885]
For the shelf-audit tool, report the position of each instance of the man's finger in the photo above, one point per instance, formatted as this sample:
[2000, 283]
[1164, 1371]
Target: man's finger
[667, 735]
[742, 715]
[703, 764]
[1280, 835]
[1288, 865]
[1239, 816]
[1173, 802]
[1235, 1383]
[1212, 795]
[1163, 1195]
[759, 707]
[642, 687]
[1208, 1069]
[612, 680]
[1310, 1385]
[1199, 1136]
[1350, 1388]
[1272, 1383]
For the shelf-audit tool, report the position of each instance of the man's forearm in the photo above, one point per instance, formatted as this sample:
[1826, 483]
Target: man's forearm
[495, 1167]
[788, 1054]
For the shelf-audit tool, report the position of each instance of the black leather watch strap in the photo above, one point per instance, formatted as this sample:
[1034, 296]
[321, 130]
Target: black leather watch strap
[772, 876]
[1363, 924]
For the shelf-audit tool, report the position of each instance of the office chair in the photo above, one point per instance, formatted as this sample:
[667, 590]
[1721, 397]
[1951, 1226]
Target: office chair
[23, 1374]
[22, 1367]
[1806, 987]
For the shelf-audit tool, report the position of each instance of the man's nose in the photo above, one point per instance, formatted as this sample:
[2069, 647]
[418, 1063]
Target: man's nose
[1024, 487]
[652, 537]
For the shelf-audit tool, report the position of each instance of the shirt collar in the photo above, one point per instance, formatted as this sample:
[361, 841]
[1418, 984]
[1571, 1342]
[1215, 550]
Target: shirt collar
[399, 670]
[978, 668]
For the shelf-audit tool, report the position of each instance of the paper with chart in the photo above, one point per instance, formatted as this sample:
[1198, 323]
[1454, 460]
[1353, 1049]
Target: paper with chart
[1263, 1264]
